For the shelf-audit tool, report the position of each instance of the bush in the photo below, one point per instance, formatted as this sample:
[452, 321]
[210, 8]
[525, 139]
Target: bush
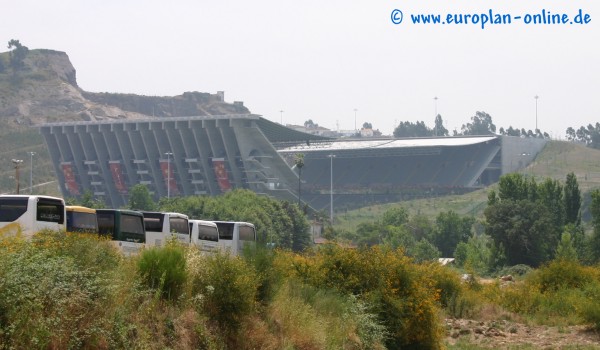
[47, 301]
[163, 269]
[560, 274]
[400, 293]
[224, 287]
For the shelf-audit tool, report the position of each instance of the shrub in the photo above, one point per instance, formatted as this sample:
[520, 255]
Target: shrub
[401, 293]
[163, 269]
[47, 301]
[310, 317]
[560, 274]
[224, 287]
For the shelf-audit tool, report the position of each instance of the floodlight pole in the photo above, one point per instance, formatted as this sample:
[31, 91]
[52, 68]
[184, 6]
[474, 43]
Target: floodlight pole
[31, 154]
[168, 154]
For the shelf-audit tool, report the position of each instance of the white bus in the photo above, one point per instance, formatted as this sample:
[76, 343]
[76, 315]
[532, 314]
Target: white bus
[124, 227]
[31, 214]
[205, 235]
[234, 235]
[162, 226]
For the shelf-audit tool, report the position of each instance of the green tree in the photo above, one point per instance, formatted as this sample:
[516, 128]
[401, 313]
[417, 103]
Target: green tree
[594, 244]
[475, 254]
[521, 229]
[515, 187]
[566, 249]
[550, 195]
[140, 198]
[481, 124]
[408, 129]
[450, 230]
[87, 200]
[425, 251]
[396, 216]
[439, 129]
[572, 198]
[17, 56]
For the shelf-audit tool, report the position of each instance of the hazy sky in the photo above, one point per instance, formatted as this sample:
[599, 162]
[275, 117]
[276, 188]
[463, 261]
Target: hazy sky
[321, 60]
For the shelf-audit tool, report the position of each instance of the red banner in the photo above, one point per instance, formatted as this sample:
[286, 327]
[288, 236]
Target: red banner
[221, 174]
[117, 175]
[168, 174]
[70, 182]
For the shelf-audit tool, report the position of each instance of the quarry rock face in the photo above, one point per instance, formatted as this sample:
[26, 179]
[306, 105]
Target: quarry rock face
[44, 89]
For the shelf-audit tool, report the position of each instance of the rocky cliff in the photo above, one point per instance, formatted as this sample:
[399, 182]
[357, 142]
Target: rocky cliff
[44, 89]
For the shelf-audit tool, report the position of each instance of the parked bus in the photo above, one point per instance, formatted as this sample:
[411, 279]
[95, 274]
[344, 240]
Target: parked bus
[162, 226]
[234, 235]
[81, 219]
[31, 214]
[125, 227]
[205, 235]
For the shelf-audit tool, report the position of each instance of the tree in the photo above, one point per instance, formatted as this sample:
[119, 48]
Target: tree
[572, 199]
[17, 56]
[408, 129]
[481, 124]
[425, 251]
[309, 124]
[439, 129]
[566, 248]
[594, 245]
[396, 216]
[87, 200]
[140, 198]
[521, 229]
[450, 230]
[367, 125]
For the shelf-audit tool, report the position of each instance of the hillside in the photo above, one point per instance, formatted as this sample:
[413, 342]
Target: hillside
[43, 89]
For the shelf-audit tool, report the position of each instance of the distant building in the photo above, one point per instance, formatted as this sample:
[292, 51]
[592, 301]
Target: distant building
[211, 155]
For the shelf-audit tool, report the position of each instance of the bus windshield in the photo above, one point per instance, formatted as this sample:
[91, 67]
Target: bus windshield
[12, 208]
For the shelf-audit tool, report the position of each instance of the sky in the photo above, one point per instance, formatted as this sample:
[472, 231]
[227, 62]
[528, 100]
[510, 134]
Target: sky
[339, 63]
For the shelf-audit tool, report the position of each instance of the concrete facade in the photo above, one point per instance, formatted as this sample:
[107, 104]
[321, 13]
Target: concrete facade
[211, 155]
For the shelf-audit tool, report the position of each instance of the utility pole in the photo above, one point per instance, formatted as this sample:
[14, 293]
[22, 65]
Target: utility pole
[17, 163]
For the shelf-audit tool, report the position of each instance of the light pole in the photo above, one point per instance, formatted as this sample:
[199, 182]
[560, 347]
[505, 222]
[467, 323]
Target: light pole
[168, 154]
[536, 98]
[31, 154]
[17, 163]
[281, 116]
[331, 156]
[355, 129]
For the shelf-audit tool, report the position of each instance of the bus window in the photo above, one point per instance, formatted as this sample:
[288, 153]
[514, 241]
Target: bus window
[50, 210]
[247, 233]
[179, 225]
[12, 208]
[106, 223]
[81, 219]
[208, 233]
[226, 230]
[132, 228]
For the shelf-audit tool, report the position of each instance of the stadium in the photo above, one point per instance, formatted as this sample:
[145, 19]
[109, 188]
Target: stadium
[211, 155]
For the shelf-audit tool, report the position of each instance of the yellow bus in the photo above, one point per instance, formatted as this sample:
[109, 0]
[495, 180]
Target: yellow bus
[81, 219]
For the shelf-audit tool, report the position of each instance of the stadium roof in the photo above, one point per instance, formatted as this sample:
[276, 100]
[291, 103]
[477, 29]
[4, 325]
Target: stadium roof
[384, 144]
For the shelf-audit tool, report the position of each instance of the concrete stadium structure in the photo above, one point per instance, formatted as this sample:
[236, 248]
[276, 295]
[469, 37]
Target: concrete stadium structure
[211, 155]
